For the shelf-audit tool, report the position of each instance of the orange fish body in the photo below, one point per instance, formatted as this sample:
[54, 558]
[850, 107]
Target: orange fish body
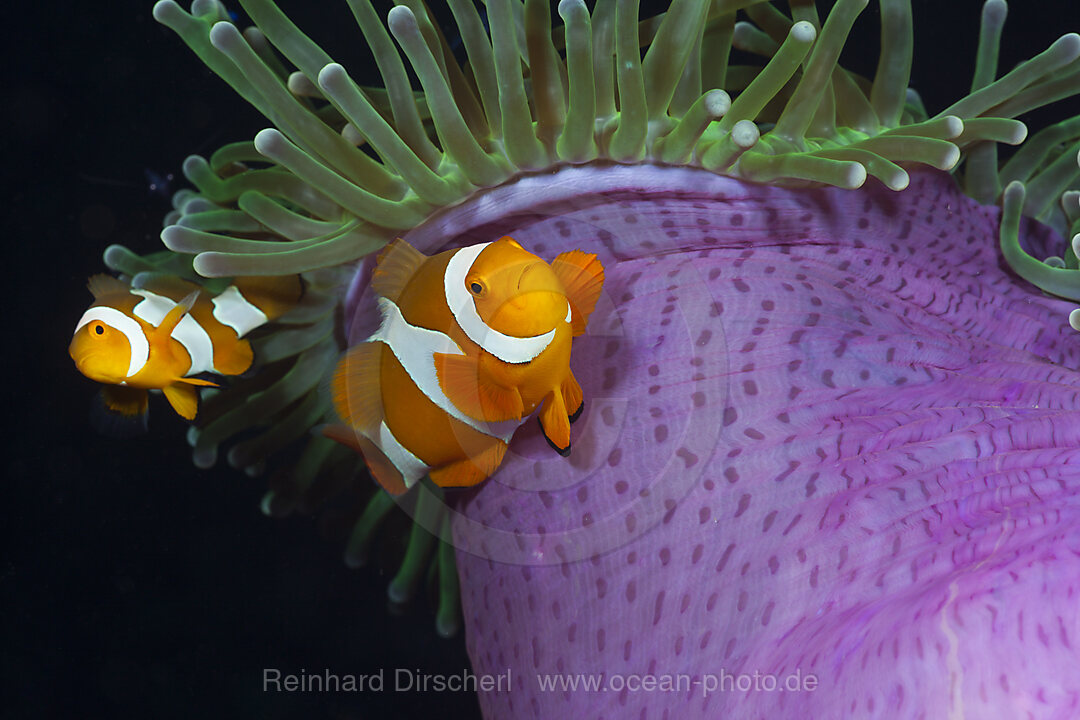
[157, 337]
[472, 342]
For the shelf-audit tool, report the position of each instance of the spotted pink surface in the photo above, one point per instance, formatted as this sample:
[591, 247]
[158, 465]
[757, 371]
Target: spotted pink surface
[825, 433]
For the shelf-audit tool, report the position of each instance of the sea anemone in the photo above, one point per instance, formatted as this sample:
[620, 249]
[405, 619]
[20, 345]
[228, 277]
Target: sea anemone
[827, 426]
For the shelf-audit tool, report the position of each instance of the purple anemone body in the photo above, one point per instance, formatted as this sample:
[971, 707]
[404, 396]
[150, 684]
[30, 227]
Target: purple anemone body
[826, 435]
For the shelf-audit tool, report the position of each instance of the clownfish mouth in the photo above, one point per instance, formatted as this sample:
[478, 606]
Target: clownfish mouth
[85, 365]
[530, 314]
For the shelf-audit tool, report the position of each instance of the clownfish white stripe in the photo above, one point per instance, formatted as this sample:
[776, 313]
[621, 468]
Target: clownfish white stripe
[507, 348]
[415, 349]
[153, 307]
[411, 467]
[140, 348]
[233, 309]
[188, 332]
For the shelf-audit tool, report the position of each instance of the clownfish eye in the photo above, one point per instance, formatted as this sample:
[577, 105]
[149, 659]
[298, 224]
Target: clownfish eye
[476, 288]
[99, 328]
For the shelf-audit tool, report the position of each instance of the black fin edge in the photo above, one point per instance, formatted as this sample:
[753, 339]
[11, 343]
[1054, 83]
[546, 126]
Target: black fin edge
[565, 452]
[116, 425]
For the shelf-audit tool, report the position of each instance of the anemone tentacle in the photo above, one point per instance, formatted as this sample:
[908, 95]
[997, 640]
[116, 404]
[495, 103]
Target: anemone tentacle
[489, 127]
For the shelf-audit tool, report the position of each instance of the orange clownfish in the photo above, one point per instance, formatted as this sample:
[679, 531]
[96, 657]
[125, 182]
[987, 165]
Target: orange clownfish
[157, 337]
[472, 341]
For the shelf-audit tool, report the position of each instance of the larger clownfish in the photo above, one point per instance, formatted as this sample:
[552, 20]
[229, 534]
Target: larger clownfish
[159, 336]
[472, 341]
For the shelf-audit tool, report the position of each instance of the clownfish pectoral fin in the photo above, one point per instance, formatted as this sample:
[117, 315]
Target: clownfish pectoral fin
[101, 285]
[477, 397]
[572, 396]
[582, 276]
[174, 316]
[472, 470]
[380, 467]
[183, 398]
[356, 388]
[120, 412]
[555, 422]
[124, 400]
[395, 267]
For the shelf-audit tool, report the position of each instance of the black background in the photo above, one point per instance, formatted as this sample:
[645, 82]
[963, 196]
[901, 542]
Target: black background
[132, 584]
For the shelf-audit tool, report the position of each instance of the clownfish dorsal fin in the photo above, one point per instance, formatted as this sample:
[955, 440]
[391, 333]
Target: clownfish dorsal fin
[459, 377]
[168, 286]
[174, 316]
[582, 276]
[102, 285]
[183, 398]
[356, 387]
[395, 267]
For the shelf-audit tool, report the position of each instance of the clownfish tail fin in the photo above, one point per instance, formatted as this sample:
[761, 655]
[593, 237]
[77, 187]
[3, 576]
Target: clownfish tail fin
[272, 295]
[395, 267]
[582, 276]
[356, 389]
[380, 467]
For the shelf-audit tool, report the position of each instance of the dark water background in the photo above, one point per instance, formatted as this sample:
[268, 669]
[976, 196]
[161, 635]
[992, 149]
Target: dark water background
[132, 584]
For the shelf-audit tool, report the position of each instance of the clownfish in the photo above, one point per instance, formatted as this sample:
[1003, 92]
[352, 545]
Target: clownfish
[159, 336]
[472, 341]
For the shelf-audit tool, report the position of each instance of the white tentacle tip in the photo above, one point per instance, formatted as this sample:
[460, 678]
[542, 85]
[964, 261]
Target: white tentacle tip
[570, 6]
[170, 237]
[332, 76]
[268, 141]
[954, 126]
[745, 134]
[224, 35]
[1014, 192]
[855, 176]
[164, 9]
[803, 32]
[1068, 45]
[899, 181]
[299, 85]
[400, 19]
[717, 103]
[950, 158]
[1074, 319]
[994, 11]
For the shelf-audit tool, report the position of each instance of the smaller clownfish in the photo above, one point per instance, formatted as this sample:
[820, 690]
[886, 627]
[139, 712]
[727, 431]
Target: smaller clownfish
[159, 336]
[472, 342]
